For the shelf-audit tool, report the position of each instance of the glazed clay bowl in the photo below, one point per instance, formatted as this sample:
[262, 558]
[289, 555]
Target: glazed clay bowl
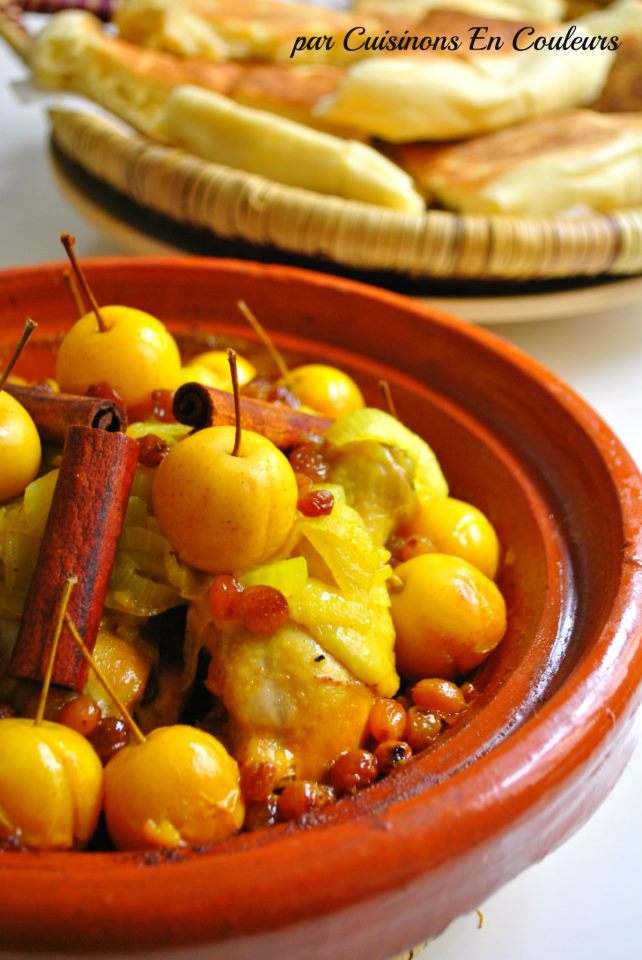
[535, 754]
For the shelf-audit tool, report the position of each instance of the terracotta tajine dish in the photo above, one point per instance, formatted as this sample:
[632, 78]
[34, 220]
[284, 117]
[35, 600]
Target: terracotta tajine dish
[537, 751]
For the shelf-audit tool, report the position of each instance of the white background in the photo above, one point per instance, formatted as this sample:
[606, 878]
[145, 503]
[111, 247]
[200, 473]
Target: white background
[584, 900]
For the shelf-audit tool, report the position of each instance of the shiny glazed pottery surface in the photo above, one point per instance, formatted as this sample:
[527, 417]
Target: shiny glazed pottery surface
[534, 756]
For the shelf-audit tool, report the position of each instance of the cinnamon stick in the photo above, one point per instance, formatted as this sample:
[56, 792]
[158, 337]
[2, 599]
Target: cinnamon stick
[80, 540]
[52, 412]
[199, 406]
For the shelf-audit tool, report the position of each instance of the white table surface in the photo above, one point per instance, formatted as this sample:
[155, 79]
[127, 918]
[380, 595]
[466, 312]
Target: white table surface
[585, 899]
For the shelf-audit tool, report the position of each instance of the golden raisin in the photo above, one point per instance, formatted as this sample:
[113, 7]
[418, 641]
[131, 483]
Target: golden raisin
[316, 503]
[152, 450]
[257, 781]
[300, 796]
[391, 754]
[163, 406]
[104, 391]
[438, 696]
[159, 404]
[82, 714]
[225, 597]
[309, 459]
[387, 720]
[422, 727]
[262, 814]
[353, 770]
[262, 388]
[263, 609]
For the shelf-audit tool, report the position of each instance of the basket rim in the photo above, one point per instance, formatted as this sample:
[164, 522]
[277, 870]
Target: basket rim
[234, 204]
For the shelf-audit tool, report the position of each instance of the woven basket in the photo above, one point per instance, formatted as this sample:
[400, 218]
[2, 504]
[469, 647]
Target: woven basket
[236, 205]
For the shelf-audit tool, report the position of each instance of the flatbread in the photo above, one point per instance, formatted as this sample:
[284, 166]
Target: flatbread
[446, 96]
[138, 86]
[211, 126]
[220, 30]
[74, 53]
[576, 159]
[293, 90]
[399, 96]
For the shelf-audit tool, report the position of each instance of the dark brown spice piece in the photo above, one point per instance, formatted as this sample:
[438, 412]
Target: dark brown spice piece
[53, 413]
[200, 406]
[80, 539]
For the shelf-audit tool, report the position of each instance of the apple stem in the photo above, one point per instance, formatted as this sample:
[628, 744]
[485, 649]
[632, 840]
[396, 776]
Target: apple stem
[74, 292]
[68, 243]
[231, 357]
[262, 333]
[29, 327]
[60, 616]
[104, 680]
[386, 392]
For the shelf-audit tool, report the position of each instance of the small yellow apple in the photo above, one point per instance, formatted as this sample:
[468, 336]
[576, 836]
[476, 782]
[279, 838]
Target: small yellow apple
[447, 616]
[224, 513]
[134, 355]
[218, 363]
[51, 785]
[327, 390]
[198, 373]
[458, 528]
[179, 787]
[20, 449]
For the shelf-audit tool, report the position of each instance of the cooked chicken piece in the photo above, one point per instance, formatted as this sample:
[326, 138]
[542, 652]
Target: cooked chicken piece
[290, 702]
